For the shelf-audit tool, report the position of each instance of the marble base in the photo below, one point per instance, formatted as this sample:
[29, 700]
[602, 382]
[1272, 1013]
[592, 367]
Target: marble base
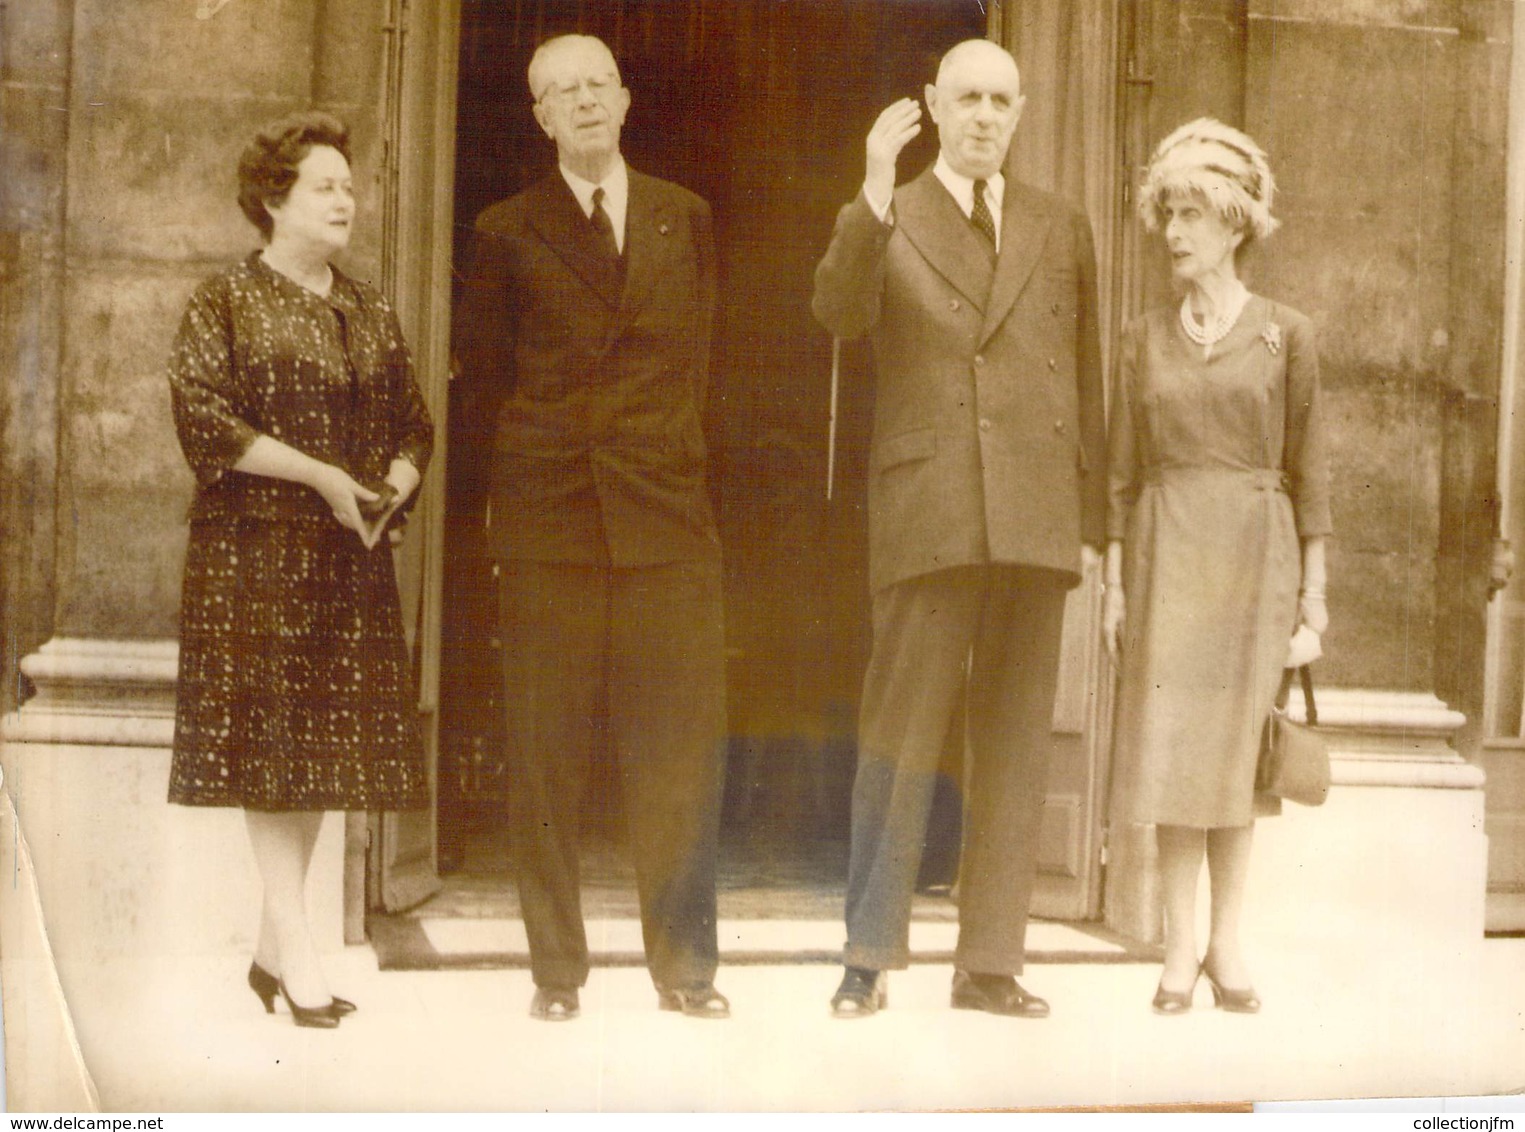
[116, 871]
[120, 870]
[44, 1066]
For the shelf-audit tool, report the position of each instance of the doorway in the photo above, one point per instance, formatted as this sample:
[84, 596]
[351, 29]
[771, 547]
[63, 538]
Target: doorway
[761, 107]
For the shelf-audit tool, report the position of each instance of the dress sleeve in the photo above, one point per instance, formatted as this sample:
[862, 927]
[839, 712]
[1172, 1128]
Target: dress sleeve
[205, 391]
[1122, 438]
[412, 426]
[1306, 455]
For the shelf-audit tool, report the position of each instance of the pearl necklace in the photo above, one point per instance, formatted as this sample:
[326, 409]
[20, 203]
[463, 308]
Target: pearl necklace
[1223, 321]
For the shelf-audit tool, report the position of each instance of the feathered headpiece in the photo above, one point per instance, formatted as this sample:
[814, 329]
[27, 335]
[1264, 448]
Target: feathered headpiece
[1217, 163]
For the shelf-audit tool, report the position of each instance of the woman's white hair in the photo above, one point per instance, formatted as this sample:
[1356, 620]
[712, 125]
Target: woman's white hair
[1218, 164]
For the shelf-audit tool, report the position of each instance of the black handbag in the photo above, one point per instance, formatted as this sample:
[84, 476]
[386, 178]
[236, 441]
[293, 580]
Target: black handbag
[1294, 759]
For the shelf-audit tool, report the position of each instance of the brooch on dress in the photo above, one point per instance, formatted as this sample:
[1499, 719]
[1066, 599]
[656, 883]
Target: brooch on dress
[1272, 338]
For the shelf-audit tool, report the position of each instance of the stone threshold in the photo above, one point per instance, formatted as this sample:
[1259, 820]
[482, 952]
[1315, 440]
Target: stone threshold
[456, 943]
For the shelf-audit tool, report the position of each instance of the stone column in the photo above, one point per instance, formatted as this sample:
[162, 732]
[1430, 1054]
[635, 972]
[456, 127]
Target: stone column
[1474, 349]
[35, 41]
[1384, 204]
[34, 133]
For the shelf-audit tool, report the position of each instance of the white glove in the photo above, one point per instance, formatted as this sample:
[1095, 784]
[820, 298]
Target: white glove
[1305, 647]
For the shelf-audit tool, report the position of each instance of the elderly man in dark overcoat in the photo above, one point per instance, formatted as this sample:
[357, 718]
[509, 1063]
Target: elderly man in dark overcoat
[986, 503]
[584, 330]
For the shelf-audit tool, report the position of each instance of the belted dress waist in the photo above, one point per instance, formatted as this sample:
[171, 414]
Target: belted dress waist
[1264, 479]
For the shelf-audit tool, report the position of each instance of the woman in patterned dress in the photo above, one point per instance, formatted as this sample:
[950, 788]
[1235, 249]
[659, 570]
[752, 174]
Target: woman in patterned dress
[296, 407]
[1219, 508]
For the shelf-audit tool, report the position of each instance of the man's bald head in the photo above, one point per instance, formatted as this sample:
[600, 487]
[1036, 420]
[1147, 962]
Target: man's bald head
[975, 51]
[584, 52]
[976, 103]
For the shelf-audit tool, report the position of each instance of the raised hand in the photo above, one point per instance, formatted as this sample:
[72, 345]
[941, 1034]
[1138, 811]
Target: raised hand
[896, 125]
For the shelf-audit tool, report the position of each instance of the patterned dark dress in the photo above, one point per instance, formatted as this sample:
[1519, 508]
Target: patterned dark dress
[295, 690]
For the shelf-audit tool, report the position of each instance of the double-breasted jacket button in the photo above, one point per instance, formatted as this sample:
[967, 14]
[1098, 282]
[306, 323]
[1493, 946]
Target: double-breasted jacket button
[979, 359]
[984, 424]
[953, 304]
[1053, 364]
[1059, 427]
[1054, 308]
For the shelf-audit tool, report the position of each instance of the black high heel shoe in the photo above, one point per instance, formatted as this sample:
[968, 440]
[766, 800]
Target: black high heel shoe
[318, 1017]
[264, 984]
[341, 1006]
[267, 986]
[1235, 1001]
[1170, 1002]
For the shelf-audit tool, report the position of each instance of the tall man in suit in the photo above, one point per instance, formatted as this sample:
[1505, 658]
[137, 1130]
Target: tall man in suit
[986, 502]
[584, 330]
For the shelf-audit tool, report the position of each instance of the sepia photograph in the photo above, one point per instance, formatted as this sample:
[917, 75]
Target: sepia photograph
[728, 556]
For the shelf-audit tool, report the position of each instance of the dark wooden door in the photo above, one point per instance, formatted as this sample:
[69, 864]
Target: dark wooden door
[761, 108]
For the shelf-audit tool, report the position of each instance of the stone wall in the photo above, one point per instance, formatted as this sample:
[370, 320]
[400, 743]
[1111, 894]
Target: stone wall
[1385, 121]
[34, 132]
[122, 128]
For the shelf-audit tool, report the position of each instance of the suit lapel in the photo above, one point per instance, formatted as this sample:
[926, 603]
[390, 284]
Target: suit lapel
[930, 218]
[563, 225]
[1024, 227]
[648, 240]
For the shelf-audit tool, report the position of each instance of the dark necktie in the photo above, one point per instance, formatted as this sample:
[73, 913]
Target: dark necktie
[980, 216]
[604, 227]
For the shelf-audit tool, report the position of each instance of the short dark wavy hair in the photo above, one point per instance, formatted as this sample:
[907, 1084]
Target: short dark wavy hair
[268, 167]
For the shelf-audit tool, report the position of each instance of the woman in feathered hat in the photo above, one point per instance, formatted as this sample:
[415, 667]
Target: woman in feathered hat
[1219, 508]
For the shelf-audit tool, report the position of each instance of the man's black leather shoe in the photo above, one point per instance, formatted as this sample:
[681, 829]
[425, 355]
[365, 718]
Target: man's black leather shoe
[554, 1004]
[702, 1001]
[995, 994]
[862, 993]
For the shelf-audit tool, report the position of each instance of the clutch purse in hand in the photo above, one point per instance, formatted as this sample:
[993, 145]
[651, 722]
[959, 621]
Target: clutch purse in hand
[1294, 759]
[385, 493]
